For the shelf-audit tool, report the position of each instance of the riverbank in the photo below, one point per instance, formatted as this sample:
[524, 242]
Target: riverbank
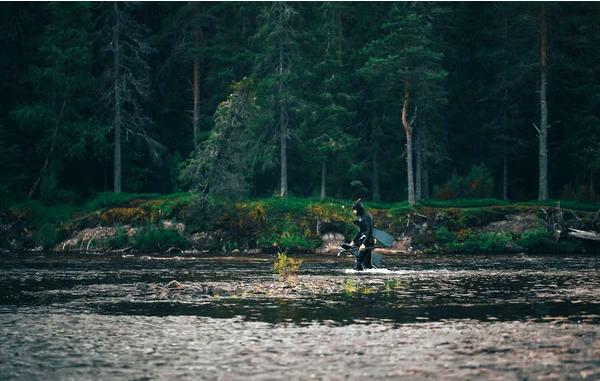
[184, 223]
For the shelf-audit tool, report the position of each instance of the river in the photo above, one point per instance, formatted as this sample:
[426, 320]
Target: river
[428, 317]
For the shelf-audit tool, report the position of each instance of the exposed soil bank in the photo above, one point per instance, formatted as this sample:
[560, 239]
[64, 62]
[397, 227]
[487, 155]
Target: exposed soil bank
[182, 223]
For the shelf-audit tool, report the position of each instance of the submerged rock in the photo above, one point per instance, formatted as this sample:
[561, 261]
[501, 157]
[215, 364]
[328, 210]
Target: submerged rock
[331, 243]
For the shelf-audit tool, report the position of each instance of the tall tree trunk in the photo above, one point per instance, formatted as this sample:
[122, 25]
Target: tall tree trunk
[592, 188]
[283, 129]
[504, 147]
[505, 111]
[339, 35]
[419, 163]
[323, 178]
[375, 177]
[196, 115]
[543, 129]
[425, 179]
[196, 78]
[117, 91]
[504, 177]
[425, 175]
[375, 161]
[409, 148]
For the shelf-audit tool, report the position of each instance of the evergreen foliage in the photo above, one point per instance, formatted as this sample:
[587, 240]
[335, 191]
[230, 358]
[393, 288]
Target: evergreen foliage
[329, 81]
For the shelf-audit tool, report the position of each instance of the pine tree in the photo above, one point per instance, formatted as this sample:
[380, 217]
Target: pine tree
[328, 117]
[61, 83]
[222, 164]
[127, 82]
[405, 59]
[276, 65]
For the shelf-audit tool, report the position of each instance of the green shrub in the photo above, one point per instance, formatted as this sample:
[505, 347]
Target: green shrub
[285, 266]
[540, 241]
[39, 214]
[119, 240]
[488, 242]
[350, 286]
[443, 235]
[47, 236]
[157, 238]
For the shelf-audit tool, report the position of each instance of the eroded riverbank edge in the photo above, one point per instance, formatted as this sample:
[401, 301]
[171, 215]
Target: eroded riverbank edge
[185, 223]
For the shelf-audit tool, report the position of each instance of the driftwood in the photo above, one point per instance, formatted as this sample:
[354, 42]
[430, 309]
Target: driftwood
[583, 234]
[577, 227]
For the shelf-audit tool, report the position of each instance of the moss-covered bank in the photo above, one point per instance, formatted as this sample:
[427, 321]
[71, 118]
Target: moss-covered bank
[177, 222]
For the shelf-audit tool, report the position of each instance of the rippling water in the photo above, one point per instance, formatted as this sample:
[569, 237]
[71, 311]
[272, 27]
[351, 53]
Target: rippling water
[459, 317]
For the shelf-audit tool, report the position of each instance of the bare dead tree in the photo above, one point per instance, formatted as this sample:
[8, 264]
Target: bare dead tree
[408, 129]
[543, 128]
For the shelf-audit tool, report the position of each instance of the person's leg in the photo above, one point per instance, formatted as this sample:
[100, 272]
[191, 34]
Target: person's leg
[359, 261]
[366, 263]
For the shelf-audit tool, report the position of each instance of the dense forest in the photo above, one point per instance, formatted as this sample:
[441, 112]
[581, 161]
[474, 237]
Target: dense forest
[390, 101]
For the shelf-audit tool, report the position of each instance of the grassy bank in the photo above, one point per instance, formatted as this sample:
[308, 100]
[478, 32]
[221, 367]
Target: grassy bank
[149, 222]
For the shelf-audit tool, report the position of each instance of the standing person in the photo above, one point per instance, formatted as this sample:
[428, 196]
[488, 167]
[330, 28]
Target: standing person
[364, 237]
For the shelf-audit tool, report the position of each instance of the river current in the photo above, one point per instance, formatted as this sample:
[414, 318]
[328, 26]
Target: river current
[440, 317]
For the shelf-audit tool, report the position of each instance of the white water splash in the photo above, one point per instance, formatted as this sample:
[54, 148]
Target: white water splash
[377, 271]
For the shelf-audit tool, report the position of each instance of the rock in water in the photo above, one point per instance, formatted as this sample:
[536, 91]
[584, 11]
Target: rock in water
[174, 285]
[331, 243]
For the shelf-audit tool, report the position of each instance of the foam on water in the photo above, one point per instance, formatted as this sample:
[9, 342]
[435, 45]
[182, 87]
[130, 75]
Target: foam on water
[377, 271]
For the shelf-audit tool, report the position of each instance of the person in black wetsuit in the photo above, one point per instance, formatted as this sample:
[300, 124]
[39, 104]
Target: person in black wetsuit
[364, 237]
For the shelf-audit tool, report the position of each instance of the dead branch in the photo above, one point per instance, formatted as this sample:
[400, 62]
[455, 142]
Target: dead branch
[594, 236]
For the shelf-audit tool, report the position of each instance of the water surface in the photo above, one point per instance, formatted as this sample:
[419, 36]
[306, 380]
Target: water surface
[447, 317]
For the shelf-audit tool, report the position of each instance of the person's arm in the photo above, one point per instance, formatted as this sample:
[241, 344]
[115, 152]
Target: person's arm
[358, 234]
[368, 227]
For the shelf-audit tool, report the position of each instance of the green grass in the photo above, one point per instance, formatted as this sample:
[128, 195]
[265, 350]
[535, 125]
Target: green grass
[111, 200]
[463, 203]
[564, 204]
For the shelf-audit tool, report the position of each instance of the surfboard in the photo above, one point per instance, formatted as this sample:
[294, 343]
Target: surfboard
[376, 259]
[382, 237]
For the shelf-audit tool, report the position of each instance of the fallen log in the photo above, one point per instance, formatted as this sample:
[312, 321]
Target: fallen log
[583, 234]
